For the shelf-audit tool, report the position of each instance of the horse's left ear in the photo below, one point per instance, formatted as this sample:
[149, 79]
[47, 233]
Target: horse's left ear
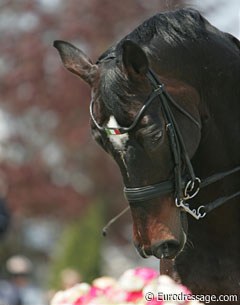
[134, 58]
[76, 61]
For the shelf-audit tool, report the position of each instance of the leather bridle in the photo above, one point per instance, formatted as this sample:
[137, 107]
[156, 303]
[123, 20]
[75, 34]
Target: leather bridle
[184, 187]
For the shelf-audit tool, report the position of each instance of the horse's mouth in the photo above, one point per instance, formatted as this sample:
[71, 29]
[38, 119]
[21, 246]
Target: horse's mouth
[167, 250]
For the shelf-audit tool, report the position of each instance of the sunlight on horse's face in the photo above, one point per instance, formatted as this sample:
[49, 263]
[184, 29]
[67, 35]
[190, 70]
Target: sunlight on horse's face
[119, 89]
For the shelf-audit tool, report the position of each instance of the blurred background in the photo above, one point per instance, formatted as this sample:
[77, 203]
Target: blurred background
[57, 187]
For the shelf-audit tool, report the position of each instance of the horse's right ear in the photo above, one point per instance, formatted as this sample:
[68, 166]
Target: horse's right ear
[76, 61]
[134, 58]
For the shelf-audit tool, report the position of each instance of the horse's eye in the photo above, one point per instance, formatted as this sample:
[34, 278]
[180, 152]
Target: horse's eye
[150, 137]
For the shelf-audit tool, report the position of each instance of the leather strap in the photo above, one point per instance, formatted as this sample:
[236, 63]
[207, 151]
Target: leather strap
[144, 193]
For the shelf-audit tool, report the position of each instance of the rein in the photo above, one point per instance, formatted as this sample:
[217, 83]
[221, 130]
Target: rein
[184, 188]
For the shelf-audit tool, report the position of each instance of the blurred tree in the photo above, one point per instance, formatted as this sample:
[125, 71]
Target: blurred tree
[47, 155]
[77, 252]
[52, 165]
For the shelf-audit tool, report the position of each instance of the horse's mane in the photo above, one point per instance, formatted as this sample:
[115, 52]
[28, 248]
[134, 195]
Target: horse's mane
[167, 25]
[180, 28]
[170, 27]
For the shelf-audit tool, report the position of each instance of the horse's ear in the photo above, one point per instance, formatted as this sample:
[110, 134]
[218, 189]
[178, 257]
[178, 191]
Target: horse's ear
[134, 58]
[76, 61]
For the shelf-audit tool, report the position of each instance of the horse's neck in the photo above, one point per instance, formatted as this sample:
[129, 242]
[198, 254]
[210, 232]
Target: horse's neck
[217, 82]
[220, 143]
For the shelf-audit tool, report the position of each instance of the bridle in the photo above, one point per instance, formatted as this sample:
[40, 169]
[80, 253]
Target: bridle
[184, 187]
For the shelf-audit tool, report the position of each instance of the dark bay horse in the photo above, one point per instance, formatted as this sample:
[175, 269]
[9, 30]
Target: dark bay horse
[166, 106]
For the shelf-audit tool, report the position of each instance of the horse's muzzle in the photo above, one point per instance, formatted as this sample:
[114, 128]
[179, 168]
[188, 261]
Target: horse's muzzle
[166, 249]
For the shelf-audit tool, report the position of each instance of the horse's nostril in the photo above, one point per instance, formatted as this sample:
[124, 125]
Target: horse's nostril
[166, 249]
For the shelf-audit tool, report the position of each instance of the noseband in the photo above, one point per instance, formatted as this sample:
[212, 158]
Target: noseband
[184, 187]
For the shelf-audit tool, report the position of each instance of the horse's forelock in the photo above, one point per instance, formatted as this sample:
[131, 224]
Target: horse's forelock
[114, 89]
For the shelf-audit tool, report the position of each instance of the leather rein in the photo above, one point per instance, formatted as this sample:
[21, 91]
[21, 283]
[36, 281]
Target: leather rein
[184, 187]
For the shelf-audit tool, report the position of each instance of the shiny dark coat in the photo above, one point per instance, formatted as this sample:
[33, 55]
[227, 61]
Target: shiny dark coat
[200, 67]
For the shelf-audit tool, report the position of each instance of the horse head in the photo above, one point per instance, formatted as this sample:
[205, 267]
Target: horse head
[120, 89]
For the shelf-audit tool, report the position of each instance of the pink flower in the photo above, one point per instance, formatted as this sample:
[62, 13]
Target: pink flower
[131, 288]
[134, 296]
[80, 301]
[85, 299]
[146, 274]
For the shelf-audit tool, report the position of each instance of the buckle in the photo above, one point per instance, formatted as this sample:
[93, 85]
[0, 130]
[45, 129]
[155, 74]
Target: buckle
[192, 188]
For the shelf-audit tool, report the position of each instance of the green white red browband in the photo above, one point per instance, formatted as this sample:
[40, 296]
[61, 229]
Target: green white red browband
[122, 130]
